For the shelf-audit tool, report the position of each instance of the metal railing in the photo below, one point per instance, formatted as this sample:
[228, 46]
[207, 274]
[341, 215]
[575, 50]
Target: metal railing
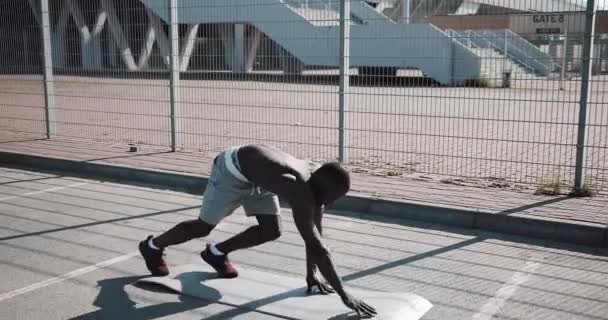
[518, 48]
[510, 45]
[474, 39]
[119, 71]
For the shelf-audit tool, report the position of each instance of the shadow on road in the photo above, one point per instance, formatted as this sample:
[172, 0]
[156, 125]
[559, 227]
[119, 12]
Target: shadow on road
[114, 302]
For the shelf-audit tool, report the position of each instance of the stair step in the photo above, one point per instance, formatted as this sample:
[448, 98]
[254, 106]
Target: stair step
[319, 17]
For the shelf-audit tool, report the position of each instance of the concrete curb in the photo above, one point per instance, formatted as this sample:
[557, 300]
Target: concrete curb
[577, 233]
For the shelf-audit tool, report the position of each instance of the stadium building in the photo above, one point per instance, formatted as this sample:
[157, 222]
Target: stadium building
[450, 41]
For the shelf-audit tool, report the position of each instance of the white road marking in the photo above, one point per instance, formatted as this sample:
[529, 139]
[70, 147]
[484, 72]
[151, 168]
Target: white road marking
[506, 291]
[45, 191]
[69, 275]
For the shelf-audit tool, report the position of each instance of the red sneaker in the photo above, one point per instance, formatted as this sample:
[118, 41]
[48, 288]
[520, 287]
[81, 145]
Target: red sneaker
[221, 264]
[155, 260]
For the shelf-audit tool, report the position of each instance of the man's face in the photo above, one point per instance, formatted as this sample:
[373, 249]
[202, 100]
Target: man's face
[329, 193]
[327, 187]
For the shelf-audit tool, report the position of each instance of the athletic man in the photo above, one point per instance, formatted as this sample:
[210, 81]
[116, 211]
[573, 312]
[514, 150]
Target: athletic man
[255, 176]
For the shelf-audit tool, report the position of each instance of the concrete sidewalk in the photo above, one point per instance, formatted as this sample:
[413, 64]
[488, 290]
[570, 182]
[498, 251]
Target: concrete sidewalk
[450, 201]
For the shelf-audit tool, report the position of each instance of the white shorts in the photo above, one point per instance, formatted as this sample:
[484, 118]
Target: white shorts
[228, 189]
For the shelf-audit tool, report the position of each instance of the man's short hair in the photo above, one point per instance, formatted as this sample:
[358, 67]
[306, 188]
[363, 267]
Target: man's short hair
[334, 172]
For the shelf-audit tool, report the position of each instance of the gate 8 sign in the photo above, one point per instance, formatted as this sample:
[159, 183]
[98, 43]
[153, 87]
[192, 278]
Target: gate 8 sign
[547, 23]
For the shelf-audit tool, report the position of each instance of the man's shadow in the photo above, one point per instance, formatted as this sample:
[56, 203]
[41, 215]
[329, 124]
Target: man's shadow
[114, 302]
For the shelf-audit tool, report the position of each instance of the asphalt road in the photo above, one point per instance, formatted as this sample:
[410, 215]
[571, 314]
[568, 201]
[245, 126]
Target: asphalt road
[68, 251]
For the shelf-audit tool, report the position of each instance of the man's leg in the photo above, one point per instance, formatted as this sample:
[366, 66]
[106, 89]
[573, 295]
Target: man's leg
[183, 232]
[264, 206]
[268, 229]
[219, 200]
[152, 249]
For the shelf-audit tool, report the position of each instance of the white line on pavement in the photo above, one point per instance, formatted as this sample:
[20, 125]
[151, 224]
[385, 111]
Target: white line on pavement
[45, 191]
[506, 291]
[69, 275]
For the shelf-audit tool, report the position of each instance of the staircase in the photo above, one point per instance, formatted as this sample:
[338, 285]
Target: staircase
[509, 46]
[421, 9]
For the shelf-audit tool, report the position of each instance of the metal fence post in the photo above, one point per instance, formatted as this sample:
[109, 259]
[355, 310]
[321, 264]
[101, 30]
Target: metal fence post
[564, 60]
[506, 46]
[344, 78]
[406, 8]
[174, 78]
[585, 92]
[49, 90]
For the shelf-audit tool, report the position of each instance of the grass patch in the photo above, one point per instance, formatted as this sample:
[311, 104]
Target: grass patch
[587, 190]
[552, 185]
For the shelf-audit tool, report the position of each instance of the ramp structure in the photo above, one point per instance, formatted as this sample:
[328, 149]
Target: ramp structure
[311, 34]
[307, 30]
[272, 294]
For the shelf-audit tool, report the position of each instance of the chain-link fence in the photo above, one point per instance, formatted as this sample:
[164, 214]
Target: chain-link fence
[493, 89]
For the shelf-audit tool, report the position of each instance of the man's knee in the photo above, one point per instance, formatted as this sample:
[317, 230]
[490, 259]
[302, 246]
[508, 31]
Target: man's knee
[196, 228]
[274, 233]
[270, 228]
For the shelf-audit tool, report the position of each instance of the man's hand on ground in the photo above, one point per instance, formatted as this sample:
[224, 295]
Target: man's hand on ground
[362, 308]
[312, 280]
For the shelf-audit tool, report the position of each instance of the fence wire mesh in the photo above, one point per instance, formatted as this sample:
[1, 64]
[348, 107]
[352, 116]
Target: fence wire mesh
[486, 90]
[21, 95]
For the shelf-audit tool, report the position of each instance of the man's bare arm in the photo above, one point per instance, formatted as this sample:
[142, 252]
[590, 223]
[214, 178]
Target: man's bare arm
[304, 219]
[319, 255]
[311, 268]
[296, 191]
